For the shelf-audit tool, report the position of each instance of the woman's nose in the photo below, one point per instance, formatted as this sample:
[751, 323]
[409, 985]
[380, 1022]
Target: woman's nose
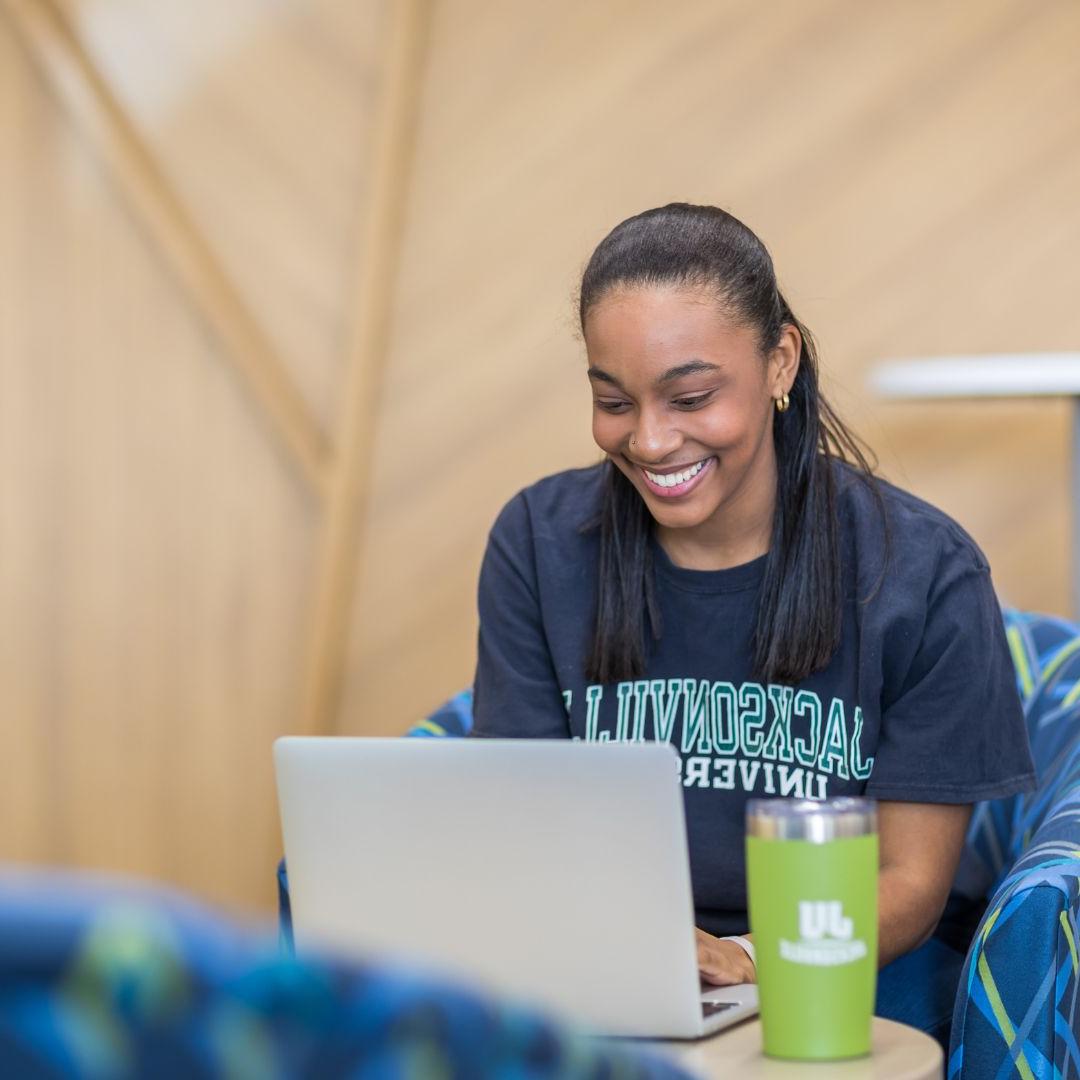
[653, 440]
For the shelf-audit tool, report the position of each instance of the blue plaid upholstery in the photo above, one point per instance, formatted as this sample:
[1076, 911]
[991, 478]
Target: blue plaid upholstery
[99, 981]
[1016, 1010]
[453, 718]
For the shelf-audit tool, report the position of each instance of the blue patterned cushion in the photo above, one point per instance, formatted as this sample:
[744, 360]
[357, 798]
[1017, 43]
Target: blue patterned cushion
[104, 982]
[1016, 1012]
[453, 718]
[1046, 655]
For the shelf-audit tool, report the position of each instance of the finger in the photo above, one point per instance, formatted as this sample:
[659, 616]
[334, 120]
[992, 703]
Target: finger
[719, 965]
[716, 970]
[715, 967]
[719, 975]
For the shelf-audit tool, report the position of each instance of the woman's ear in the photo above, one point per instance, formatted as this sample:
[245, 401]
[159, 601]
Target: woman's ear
[784, 360]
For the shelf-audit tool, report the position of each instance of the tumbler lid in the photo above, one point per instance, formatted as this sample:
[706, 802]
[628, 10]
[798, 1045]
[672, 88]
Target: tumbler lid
[811, 819]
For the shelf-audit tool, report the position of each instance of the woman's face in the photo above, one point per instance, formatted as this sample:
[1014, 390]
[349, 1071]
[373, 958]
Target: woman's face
[683, 403]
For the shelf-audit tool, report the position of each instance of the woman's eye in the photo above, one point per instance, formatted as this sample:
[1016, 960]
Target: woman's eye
[612, 406]
[691, 402]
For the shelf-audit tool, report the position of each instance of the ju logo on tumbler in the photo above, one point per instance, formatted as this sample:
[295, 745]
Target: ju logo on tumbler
[811, 876]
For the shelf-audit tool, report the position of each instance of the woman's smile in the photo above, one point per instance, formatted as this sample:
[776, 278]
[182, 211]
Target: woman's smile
[676, 481]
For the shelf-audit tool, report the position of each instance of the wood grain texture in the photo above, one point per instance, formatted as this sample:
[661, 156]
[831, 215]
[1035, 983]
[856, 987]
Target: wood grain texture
[392, 139]
[258, 111]
[153, 580]
[75, 81]
[156, 551]
[913, 168]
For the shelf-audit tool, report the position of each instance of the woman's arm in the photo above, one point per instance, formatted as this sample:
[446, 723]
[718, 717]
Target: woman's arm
[919, 849]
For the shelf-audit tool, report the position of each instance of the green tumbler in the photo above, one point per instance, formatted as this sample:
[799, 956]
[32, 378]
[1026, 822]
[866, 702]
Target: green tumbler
[811, 875]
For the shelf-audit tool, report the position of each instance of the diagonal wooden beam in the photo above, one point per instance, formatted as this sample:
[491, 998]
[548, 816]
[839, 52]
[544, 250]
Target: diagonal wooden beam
[73, 78]
[383, 215]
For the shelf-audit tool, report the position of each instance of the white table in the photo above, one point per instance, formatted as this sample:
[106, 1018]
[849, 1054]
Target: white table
[899, 1053]
[1012, 375]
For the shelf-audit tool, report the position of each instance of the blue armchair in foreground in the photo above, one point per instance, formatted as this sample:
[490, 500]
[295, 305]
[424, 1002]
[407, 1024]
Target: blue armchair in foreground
[99, 980]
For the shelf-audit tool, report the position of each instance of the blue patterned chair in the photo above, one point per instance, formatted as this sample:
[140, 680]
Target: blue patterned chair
[109, 981]
[1016, 1009]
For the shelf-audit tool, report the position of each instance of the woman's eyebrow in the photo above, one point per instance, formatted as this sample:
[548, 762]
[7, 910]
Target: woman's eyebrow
[603, 376]
[691, 367]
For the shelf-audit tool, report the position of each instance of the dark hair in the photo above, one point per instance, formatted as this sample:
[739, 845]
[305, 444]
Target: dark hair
[801, 606]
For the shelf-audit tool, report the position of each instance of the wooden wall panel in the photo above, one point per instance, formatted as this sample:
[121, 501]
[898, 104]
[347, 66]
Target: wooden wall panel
[157, 543]
[154, 584]
[257, 110]
[912, 166]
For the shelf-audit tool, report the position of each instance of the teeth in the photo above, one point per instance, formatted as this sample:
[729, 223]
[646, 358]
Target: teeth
[674, 479]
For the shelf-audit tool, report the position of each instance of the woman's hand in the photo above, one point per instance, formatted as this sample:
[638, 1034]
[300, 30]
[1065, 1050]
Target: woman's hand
[723, 963]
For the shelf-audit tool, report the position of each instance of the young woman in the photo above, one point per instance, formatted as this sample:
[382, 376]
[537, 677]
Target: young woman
[733, 580]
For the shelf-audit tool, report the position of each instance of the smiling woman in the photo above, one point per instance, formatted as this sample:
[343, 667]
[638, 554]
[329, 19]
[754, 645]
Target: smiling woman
[693, 351]
[734, 580]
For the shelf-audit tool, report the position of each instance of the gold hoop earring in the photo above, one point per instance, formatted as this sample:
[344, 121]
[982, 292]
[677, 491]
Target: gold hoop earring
[782, 403]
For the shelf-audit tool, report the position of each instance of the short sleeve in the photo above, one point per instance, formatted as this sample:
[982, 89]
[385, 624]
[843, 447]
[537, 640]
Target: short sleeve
[955, 732]
[516, 692]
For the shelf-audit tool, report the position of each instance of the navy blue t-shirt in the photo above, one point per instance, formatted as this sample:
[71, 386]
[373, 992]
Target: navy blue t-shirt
[919, 702]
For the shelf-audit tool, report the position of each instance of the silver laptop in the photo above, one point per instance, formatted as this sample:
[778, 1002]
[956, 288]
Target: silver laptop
[554, 872]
